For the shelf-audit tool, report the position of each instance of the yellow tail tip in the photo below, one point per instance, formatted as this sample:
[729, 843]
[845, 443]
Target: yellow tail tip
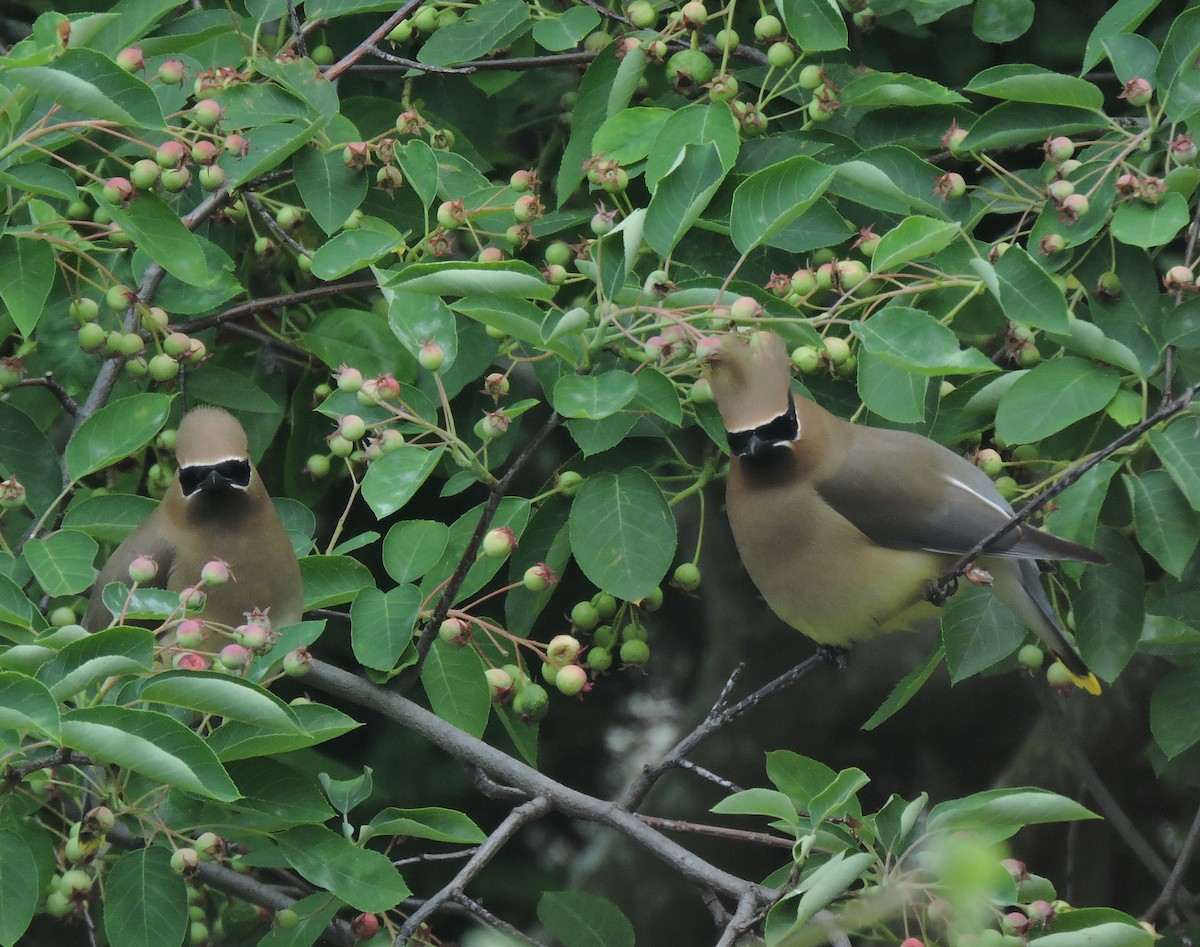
[1089, 683]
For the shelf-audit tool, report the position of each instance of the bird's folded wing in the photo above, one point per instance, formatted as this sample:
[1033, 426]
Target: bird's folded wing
[936, 509]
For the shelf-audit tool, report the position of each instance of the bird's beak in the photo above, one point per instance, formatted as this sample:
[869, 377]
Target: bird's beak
[758, 447]
[215, 482]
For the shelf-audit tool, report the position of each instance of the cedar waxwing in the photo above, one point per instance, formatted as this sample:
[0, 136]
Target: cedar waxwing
[215, 508]
[843, 528]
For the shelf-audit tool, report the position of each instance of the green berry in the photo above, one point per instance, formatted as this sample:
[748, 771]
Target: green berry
[585, 616]
[634, 653]
[687, 576]
[1030, 656]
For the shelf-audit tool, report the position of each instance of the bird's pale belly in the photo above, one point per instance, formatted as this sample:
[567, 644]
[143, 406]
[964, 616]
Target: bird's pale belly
[862, 591]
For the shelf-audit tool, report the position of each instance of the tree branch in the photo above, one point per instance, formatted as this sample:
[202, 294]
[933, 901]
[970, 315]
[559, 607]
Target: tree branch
[525, 813]
[500, 765]
[279, 302]
[1174, 883]
[367, 44]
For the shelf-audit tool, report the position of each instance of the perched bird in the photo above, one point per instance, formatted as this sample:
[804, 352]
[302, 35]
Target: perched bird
[215, 508]
[843, 528]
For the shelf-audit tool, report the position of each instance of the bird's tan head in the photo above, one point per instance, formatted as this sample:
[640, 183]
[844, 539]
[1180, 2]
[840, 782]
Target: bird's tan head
[751, 380]
[213, 453]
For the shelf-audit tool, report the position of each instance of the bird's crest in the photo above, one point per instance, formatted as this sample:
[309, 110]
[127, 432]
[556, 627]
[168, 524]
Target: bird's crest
[751, 379]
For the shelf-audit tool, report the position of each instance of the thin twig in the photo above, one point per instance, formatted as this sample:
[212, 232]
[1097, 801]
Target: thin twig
[298, 43]
[1105, 801]
[492, 921]
[49, 382]
[274, 225]
[717, 831]
[279, 302]
[742, 920]
[709, 775]
[575, 58]
[1171, 889]
[519, 817]
[718, 717]
[450, 590]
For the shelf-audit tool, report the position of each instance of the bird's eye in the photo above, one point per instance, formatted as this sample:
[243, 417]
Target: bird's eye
[227, 474]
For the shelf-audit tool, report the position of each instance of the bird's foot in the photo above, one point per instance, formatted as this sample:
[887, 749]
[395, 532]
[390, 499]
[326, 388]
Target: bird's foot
[939, 591]
[834, 654]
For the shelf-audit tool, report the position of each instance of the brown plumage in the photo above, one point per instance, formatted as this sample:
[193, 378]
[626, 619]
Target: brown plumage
[843, 527]
[215, 508]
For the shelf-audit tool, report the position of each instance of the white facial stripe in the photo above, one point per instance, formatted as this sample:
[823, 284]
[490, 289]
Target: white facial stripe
[216, 460]
[955, 482]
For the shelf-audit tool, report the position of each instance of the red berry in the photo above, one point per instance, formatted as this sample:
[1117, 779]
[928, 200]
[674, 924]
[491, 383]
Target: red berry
[364, 927]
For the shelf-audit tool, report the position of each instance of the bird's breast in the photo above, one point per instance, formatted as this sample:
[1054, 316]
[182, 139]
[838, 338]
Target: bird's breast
[815, 569]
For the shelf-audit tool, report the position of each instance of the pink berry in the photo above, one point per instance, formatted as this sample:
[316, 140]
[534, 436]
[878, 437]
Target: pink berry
[143, 569]
[216, 572]
[234, 656]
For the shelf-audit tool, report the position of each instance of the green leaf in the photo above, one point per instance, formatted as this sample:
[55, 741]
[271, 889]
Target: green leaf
[90, 660]
[815, 25]
[1131, 55]
[977, 631]
[145, 902]
[566, 30]
[1143, 225]
[363, 879]
[381, 625]
[27, 454]
[1174, 712]
[1026, 292]
[1021, 82]
[161, 235]
[420, 167]
[15, 608]
[220, 695]
[629, 135]
[352, 250]
[1005, 809]
[436, 824]
[276, 796]
[917, 342]
[467, 278]
[28, 264]
[1178, 447]
[355, 337]
[831, 880]
[599, 97]
[513, 316]
[412, 548]
[913, 238]
[19, 878]
[1078, 509]
[904, 691]
[1022, 123]
[273, 144]
[476, 33]
[1111, 934]
[896, 88]
[1178, 85]
[1110, 606]
[91, 83]
[580, 919]
[391, 480]
[799, 777]
[770, 199]
[150, 743]
[593, 396]
[681, 195]
[115, 431]
[891, 391]
[240, 741]
[1167, 526]
[1053, 396]
[332, 580]
[623, 533]
[765, 802]
[62, 562]
[418, 319]
[1001, 21]
[316, 913]
[1124, 16]
[694, 125]
[457, 690]
[26, 705]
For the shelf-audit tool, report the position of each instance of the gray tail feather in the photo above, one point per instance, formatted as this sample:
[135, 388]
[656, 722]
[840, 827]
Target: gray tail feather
[1018, 584]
